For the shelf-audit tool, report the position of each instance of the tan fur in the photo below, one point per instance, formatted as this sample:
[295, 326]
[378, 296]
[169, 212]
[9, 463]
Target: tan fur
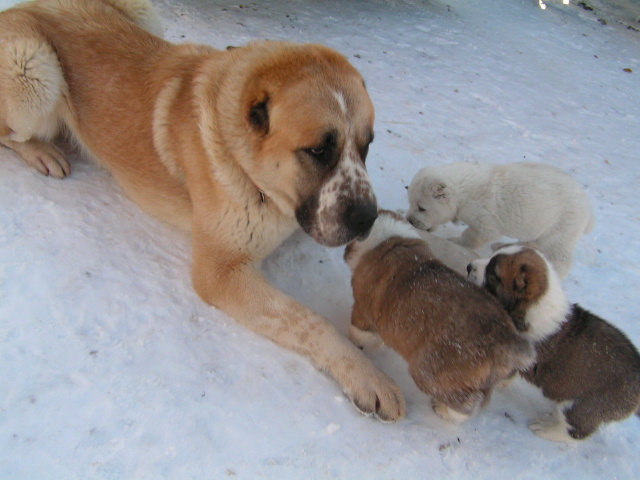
[457, 340]
[215, 142]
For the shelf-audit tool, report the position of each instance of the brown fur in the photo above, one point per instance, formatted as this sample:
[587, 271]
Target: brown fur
[586, 361]
[218, 143]
[458, 340]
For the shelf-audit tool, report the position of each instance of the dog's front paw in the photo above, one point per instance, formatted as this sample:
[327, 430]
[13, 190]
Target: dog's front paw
[44, 157]
[375, 394]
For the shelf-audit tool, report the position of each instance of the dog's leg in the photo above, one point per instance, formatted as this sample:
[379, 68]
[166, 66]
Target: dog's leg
[241, 291]
[31, 87]
[472, 239]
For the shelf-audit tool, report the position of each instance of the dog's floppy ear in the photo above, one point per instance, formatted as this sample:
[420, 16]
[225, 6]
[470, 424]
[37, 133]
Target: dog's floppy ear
[521, 280]
[440, 191]
[258, 116]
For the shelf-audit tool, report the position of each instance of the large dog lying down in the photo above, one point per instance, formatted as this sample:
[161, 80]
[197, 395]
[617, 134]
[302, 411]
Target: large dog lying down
[240, 147]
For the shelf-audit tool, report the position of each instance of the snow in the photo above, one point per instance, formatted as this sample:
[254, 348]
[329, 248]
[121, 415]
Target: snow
[111, 367]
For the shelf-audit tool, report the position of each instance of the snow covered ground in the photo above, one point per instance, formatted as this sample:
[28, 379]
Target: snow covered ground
[112, 368]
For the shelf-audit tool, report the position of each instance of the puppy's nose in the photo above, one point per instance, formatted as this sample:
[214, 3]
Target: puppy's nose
[362, 217]
[469, 268]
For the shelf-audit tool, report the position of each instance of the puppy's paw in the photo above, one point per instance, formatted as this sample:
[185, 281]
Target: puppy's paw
[457, 241]
[495, 246]
[374, 394]
[44, 157]
[550, 428]
[447, 413]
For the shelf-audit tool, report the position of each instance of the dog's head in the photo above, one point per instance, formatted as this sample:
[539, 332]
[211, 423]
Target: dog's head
[432, 202]
[310, 123]
[516, 275]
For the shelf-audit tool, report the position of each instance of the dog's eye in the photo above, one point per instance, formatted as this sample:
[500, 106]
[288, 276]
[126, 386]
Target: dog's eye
[420, 209]
[316, 151]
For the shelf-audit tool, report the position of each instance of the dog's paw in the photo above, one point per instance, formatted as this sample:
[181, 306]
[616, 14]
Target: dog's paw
[44, 157]
[550, 428]
[448, 414]
[377, 395]
[495, 246]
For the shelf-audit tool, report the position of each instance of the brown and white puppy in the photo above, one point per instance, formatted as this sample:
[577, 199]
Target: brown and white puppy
[240, 147]
[584, 363]
[457, 339]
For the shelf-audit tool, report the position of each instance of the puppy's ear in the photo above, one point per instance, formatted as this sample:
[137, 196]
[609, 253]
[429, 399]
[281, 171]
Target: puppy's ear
[521, 280]
[440, 191]
[258, 116]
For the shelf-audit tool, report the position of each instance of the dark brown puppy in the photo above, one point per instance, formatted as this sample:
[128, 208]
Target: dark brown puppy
[584, 363]
[458, 340]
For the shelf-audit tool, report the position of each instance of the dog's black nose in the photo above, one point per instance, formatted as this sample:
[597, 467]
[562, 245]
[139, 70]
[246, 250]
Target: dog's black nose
[469, 267]
[362, 217]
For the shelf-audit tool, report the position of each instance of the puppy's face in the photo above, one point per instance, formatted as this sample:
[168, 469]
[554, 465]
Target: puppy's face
[312, 123]
[431, 203]
[516, 275]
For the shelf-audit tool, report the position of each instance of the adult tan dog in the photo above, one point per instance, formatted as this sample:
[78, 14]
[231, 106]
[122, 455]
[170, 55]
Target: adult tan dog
[240, 147]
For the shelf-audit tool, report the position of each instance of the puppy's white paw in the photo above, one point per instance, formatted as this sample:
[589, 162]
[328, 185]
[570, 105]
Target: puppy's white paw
[550, 428]
[448, 414]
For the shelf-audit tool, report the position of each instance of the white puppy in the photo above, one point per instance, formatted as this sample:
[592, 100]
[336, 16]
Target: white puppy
[537, 204]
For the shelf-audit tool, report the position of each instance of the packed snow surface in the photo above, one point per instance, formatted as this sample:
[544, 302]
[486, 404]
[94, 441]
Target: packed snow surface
[111, 367]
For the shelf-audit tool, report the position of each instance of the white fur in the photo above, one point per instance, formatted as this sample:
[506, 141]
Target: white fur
[448, 414]
[554, 427]
[454, 256]
[31, 76]
[534, 203]
[383, 229]
[339, 96]
[546, 316]
[475, 273]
